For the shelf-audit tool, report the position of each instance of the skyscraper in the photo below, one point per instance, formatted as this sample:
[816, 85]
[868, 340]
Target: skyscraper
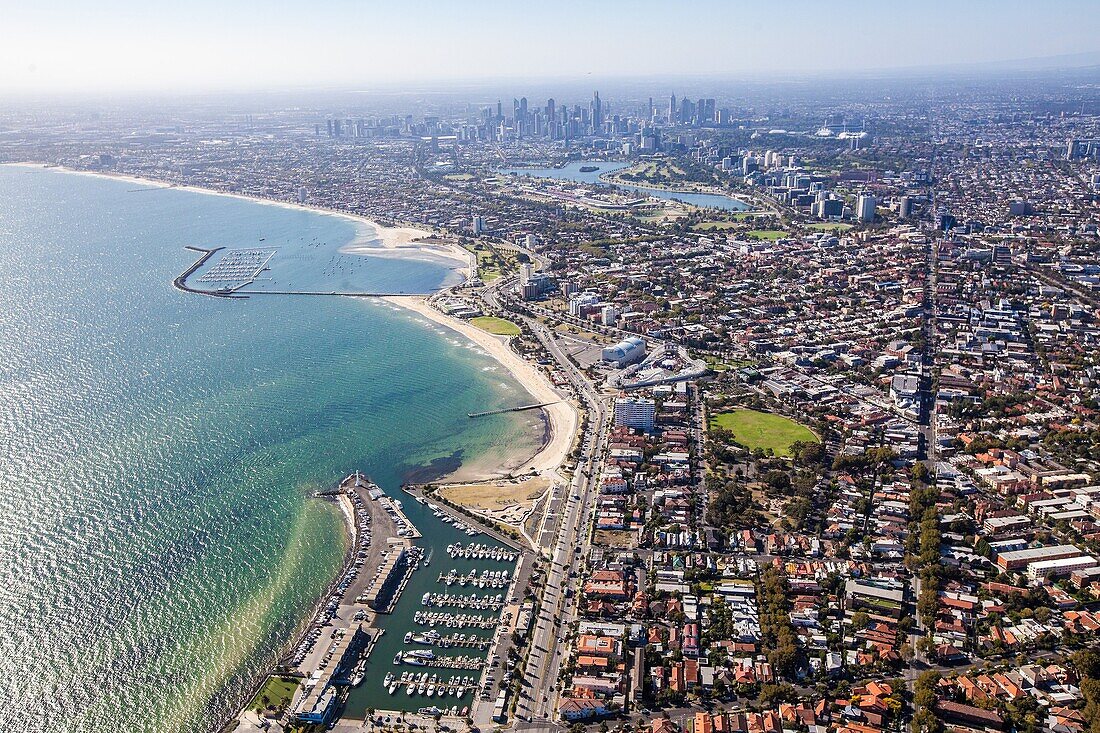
[905, 207]
[687, 111]
[865, 207]
[597, 112]
[672, 109]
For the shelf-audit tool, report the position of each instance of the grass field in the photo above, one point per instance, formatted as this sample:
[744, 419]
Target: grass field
[721, 365]
[834, 227]
[496, 326]
[623, 538]
[277, 692]
[495, 496]
[765, 430]
[768, 234]
[490, 266]
[707, 226]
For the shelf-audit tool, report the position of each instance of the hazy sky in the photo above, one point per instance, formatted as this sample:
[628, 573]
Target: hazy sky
[63, 45]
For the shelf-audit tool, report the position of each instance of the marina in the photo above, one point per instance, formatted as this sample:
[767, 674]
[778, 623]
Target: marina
[428, 658]
[471, 601]
[434, 638]
[481, 552]
[238, 267]
[454, 620]
[447, 619]
[385, 608]
[334, 652]
[487, 579]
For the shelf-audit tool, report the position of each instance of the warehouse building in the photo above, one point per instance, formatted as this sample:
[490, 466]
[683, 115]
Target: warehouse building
[1020, 559]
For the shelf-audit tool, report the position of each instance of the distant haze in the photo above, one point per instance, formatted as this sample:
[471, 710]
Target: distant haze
[124, 45]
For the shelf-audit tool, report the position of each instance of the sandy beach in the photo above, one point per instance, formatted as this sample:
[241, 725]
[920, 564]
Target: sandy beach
[561, 414]
[373, 239]
[377, 240]
[407, 242]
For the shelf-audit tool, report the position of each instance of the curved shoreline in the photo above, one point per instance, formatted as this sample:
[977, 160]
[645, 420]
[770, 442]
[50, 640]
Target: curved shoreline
[548, 457]
[561, 415]
[551, 454]
[393, 240]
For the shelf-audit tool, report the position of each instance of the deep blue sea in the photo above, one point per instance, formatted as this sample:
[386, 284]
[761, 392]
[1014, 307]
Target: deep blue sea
[158, 545]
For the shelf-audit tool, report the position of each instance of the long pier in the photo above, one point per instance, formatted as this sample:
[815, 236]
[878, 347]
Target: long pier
[341, 293]
[521, 408]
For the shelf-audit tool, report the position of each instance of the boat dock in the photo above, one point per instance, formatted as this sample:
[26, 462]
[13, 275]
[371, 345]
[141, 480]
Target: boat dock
[471, 601]
[180, 282]
[442, 507]
[417, 658]
[413, 684]
[381, 538]
[456, 620]
[434, 639]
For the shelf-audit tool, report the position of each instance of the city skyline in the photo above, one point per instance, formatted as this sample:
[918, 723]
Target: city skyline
[708, 367]
[125, 46]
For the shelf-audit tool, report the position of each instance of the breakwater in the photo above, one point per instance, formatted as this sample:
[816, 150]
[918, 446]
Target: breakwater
[180, 281]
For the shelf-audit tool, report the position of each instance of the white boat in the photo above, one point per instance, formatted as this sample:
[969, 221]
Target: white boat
[428, 637]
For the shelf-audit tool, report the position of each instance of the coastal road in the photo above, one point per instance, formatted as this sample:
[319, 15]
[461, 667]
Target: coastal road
[538, 696]
[548, 643]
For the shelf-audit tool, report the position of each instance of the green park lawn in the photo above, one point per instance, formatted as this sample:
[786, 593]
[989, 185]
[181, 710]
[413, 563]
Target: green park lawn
[833, 227]
[768, 234]
[706, 226]
[276, 692]
[754, 429]
[496, 326]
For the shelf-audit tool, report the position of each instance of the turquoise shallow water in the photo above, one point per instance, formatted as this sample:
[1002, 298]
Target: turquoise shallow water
[157, 546]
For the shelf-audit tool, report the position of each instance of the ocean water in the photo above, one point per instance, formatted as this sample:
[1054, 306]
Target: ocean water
[301, 255]
[158, 545]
